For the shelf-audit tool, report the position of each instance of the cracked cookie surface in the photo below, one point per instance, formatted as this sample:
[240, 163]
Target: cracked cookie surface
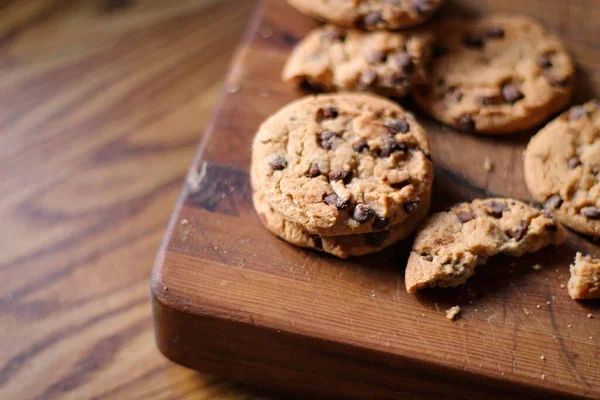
[370, 14]
[342, 164]
[585, 278]
[498, 74]
[334, 59]
[341, 246]
[562, 168]
[449, 245]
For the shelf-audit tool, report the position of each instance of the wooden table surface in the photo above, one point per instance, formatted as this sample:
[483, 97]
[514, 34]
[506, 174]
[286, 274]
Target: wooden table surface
[102, 105]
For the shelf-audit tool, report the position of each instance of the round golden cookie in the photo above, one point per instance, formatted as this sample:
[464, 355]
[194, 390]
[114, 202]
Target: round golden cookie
[341, 246]
[342, 164]
[498, 74]
[335, 59]
[370, 14]
[562, 168]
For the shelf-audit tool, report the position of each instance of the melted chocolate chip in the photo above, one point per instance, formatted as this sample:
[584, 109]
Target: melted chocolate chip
[395, 80]
[362, 213]
[544, 61]
[577, 113]
[489, 100]
[390, 146]
[360, 145]
[520, 232]
[313, 171]
[465, 216]
[397, 126]
[380, 223]
[376, 239]
[373, 19]
[404, 61]
[574, 162]
[376, 57]
[558, 82]
[332, 199]
[422, 7]
[466, 123]
[548, 214]
[590, 212]
[340, 175]
[441, 82]
[495, 32]
[411, 207]
[511, 94]
[473, 40]
[536, 204]
[327, 113]
[495, 209]
[553, 202]
[278, 163]
[327, 138]
[367, 78]
[335, 34]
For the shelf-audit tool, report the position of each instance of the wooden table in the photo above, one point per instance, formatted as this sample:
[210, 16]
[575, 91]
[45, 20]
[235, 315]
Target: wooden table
[102, 105]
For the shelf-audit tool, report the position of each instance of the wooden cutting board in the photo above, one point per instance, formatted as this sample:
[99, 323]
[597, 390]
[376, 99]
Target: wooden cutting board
[231, 299]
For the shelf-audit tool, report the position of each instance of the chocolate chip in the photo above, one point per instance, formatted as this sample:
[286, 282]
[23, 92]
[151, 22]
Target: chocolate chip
[473, 40]
[439, 50]
[327, 113]
[489, 100]
[558, 82]
[317, 241]
[340, 175]
[422, 7]
[427, 257]
[376, 57]
[278, 163]
[314, 171]
[590, 212]
[360, 145]
[367, 78]
[495, 209]
[335, 34]
[327, 138]
[441, 82]
[380, 223]
[520, 232]
[376, 239]
[411, 207]
[332, 199]
[465, 216]
[397, 126]
[389, 146]
[511, 94]
[536, 204]
[404, 61]
[553, 202]
[371, 20]
[576, 113]
[574, 162]
[400, 185]
[466, 123]
[495, 32]
[362, 213]
[548, 214]
[395, 80]
[544, 61]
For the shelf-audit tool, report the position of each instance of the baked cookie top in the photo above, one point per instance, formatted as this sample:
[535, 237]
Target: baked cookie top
[341, 246]
[387, 63]
[585, 278]
[370, 14]
[342, 163]
[498, 74]
[562, 167]
[449, 245]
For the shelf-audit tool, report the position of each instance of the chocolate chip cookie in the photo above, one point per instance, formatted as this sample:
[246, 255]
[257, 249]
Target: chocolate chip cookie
[370, 14]
[498, 74]
[342, 164]
[335, 59]
[449, 245]
[562, 168]
[340, 246]
[585, 278]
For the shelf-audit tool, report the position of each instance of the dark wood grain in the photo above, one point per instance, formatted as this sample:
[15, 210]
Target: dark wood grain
[231, 299]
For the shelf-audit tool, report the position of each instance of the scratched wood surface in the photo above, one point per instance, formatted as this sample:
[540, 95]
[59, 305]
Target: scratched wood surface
[102, 104]
[231, 299]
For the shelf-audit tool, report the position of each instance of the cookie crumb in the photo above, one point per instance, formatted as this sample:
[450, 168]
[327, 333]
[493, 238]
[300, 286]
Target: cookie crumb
[562, 286]
[527, 312]
[542, 357]
[537, 267]
[265, 32]
[538, 306]
[488, 165]
[166, 289]
[264, 92]
[452, 312]
[234, 89]
[184, 222]
[548, 302]
[568, 326]
[543, 377]
[590, 315]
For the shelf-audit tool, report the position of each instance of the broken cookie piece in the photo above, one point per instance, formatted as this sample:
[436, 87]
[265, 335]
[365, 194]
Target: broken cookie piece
[451, 244]
[452, 312]
[585, 278]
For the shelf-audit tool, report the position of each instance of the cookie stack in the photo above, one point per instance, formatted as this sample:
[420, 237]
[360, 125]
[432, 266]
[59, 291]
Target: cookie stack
[348, 174]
